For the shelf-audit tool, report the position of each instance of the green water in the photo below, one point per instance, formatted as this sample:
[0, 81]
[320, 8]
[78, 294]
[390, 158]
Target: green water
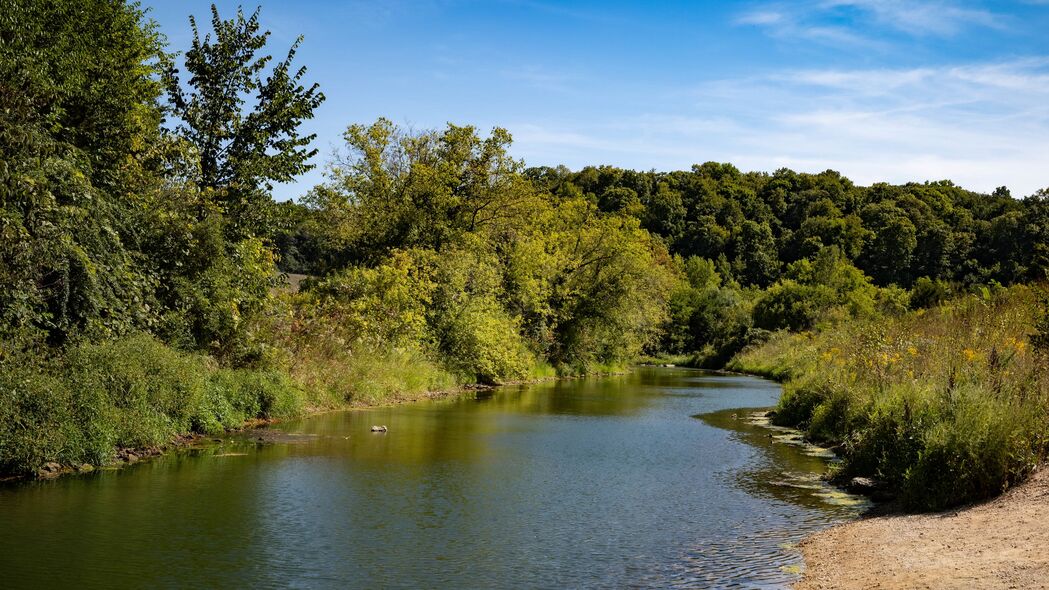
[647, 480]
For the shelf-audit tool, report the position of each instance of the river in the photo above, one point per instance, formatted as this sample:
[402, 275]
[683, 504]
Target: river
[653, 479]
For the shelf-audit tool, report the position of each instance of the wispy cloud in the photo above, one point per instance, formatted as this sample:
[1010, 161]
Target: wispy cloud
[851, 21]
[982, 125]
[541, 77]
[920, 17]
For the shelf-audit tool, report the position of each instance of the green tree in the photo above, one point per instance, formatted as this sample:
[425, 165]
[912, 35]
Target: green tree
[78, 112]
[756, 256]
[399, 190]
[242, 147]
[1036, 235]
[888, 255]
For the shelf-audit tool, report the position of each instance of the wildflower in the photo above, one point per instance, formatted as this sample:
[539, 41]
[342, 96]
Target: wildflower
[912, 351]
[970, 354]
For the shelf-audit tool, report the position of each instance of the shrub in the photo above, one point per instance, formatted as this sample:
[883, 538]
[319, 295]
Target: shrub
[929, 293]
[946, 406]
[790, 305]
[481, 342]
[132, 392]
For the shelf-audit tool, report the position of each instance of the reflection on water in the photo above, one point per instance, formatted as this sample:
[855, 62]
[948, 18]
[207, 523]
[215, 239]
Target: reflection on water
[586, 483]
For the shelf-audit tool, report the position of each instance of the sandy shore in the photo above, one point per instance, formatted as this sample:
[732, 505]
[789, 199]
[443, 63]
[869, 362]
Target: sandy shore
[1001, 544]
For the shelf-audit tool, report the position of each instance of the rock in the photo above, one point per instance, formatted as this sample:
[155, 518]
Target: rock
[379, 428]
[131, 457]
[863, 485]
[86, 468]
[770, 414]
[49, 470]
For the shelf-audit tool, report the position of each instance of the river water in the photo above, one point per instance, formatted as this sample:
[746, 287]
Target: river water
[654, 479]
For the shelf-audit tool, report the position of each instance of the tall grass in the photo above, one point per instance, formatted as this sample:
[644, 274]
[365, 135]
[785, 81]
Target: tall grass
[134, 392]
[340, 377]
[946, 405]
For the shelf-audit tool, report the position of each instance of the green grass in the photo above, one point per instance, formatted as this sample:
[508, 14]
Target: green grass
[134, 392]
[947, 405]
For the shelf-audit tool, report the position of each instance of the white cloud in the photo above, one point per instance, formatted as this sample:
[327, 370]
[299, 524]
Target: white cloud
[761, 17]
[980, 125]
[921, 16]
[849, 22]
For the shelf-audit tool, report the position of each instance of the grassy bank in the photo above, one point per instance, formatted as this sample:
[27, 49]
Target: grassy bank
[139, 393]
[136, 392]
[946, 405]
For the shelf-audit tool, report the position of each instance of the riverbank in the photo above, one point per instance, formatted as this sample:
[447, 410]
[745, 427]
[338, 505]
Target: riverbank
[1003, 543]
[941, 407]
[126, 456]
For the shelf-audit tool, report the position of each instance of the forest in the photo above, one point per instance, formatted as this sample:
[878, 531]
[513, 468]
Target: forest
[145, 266]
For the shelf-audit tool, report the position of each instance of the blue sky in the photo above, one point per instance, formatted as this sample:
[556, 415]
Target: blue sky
[881, 90]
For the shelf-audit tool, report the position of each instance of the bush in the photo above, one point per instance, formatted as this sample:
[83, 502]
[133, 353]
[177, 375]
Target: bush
[946, 406]
[134, 392]
[793, 306]
[977, 449]
[929, 293]
[481, 342]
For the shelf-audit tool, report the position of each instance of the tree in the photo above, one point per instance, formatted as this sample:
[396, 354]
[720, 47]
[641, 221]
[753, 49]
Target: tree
[403, 189]
[888, 255]
[242, 149]
[1036, 235]
[75, 119]
[756, 254]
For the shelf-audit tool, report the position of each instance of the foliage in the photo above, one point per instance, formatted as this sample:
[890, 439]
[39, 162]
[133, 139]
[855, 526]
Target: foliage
[929, 293]
[242, 149]
[73, 117]
[132, 392]
[519, 277]
[946, 405]
[763, 222]
[397, 189]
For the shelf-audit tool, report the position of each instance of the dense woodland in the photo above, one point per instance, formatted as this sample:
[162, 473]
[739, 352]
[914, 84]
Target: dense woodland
[143, 257]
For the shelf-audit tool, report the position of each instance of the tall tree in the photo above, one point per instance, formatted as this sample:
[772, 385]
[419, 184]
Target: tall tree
[242, 148]
[78, 107]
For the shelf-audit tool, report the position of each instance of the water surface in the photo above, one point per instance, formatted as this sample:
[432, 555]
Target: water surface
[653, 479]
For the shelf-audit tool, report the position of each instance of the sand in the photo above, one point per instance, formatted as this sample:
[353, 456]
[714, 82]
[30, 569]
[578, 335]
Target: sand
[1003, 543]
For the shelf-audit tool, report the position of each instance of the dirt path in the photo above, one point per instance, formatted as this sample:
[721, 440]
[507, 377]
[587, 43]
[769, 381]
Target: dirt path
[1001, 544]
